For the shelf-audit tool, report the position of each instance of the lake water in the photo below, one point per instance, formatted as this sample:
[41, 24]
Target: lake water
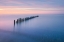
[45, 28]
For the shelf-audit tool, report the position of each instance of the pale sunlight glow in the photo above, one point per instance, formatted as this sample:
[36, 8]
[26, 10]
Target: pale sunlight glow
[30, 10]
[1, 9]
[44, 9]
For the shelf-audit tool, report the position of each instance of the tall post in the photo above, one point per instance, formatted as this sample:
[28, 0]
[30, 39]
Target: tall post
[14, 22]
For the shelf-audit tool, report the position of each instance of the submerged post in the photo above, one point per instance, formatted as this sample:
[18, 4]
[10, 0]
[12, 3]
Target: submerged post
[14, 22]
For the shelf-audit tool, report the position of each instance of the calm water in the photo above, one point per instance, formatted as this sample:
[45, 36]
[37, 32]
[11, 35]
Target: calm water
[45, 28]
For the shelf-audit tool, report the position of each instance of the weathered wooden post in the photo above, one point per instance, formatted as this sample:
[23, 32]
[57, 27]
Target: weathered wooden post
[14, 22]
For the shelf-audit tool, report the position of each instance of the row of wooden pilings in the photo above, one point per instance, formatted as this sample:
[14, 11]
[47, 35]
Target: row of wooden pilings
[19, 20]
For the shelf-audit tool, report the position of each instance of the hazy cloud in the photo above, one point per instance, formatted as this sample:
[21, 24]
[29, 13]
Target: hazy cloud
[33, 3]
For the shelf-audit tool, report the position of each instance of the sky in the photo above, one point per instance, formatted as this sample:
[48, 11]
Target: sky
[31, 7]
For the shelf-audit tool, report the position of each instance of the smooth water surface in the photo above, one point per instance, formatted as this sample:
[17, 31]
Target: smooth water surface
[45, 28]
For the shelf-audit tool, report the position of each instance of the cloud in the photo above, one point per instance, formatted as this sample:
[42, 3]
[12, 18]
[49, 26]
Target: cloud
[33, 3]
[32, 6]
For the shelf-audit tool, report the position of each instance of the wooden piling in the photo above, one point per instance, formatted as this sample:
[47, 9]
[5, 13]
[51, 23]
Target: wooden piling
[14, 22]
